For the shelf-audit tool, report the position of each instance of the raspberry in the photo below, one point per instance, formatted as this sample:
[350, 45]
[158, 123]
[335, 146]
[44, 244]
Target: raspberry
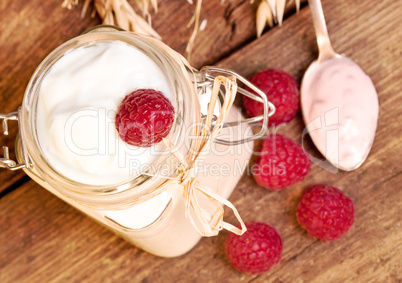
[325, 212]
[281, 89]
[256, 251]
[280, 163]
[144, 117]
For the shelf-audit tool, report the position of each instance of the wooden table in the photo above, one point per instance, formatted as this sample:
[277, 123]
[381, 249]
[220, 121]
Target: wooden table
[42, 239]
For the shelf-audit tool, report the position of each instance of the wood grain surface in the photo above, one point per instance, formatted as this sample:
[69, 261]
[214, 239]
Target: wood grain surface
[42, 239]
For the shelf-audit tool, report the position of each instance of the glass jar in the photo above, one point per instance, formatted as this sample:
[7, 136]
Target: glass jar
[157, 224]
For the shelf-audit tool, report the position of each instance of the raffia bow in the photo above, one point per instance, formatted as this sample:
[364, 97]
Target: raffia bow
[206, 223]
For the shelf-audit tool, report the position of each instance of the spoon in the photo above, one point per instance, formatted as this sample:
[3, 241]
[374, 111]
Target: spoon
[339, 102]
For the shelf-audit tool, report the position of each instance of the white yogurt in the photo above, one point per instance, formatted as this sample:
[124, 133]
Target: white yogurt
[77, 104]
[341, 112]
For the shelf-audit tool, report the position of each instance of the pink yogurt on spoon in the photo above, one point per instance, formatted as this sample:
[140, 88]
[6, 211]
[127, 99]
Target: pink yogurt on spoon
[340, 109]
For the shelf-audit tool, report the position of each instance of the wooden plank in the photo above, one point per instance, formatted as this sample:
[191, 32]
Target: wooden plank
[29, 31]
[32, 29]
[45, 240]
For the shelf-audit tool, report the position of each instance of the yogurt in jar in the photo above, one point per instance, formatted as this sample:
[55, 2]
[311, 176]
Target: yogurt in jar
[77, 104]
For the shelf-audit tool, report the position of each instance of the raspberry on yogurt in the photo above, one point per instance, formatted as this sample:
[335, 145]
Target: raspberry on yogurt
[144, 117]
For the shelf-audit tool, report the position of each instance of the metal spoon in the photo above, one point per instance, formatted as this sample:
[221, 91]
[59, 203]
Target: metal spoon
[339, 102]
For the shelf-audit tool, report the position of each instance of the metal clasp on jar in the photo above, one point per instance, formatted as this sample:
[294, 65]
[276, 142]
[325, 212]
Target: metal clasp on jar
[5, 161]
[207, 80]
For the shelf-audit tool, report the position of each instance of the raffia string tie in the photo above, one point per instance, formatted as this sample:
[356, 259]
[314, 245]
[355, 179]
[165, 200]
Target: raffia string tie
[206, 223]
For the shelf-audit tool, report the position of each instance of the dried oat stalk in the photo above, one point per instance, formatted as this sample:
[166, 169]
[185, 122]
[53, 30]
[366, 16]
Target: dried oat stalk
[196, 21]
[121, 13]
[69, 3]
[264, 17]
[270, 11]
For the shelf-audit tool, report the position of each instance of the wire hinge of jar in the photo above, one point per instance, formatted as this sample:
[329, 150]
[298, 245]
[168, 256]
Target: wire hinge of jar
[207, 79]
[5, 161]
